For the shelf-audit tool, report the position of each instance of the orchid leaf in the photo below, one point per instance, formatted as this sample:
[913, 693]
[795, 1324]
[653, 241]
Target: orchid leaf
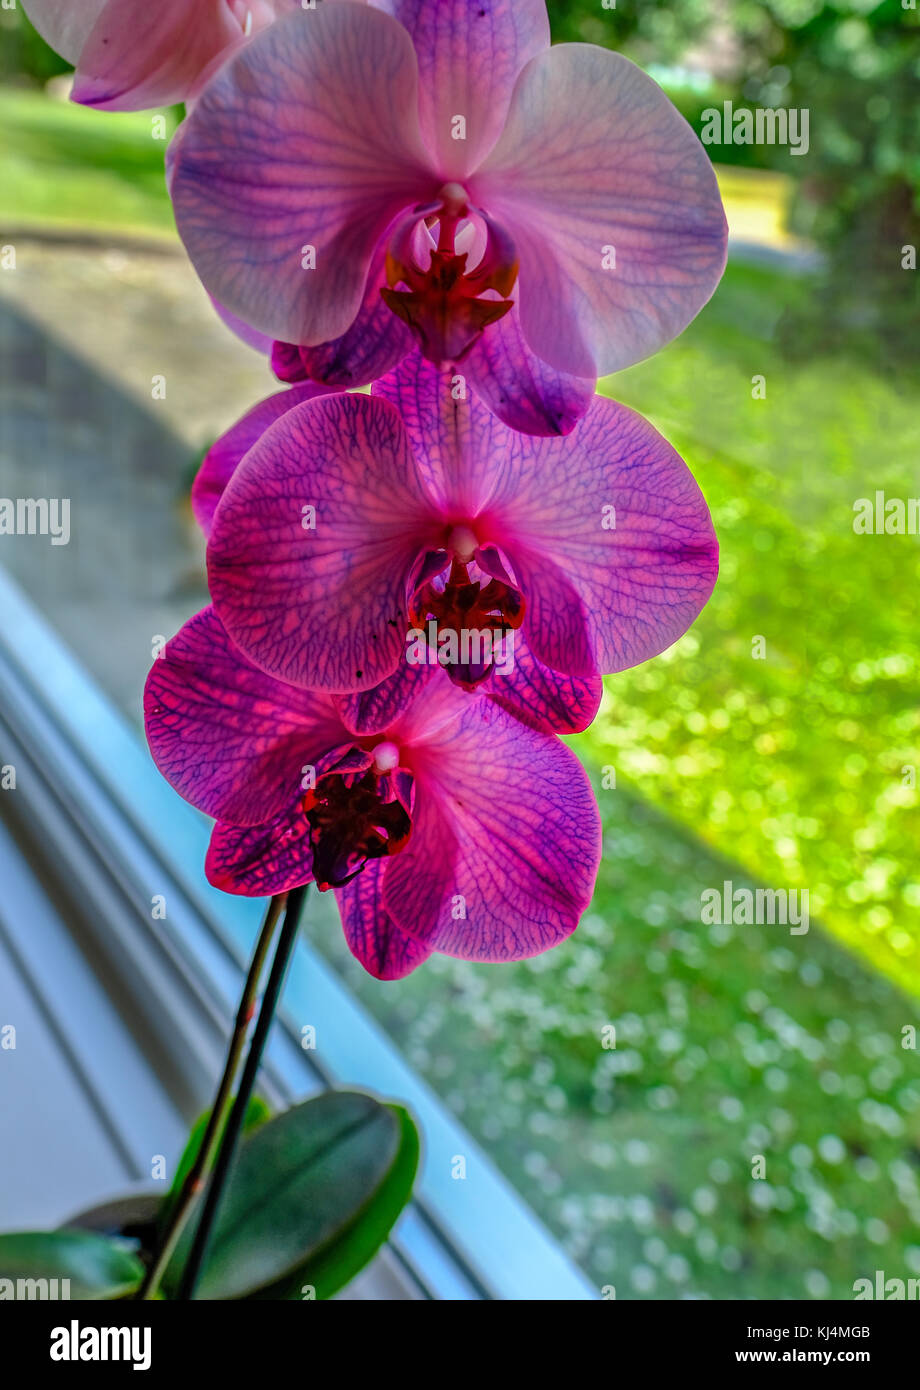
[96, 1267]
[257, 1112]
[302, 1184]
[336, 1265]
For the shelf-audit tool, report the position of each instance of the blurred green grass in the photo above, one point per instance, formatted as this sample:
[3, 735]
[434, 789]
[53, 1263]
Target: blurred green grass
[66, 166]
[802, 765]
[731, 1042]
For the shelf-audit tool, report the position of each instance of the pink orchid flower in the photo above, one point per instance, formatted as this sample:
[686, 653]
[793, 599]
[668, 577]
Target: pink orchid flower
[444, 826]
[360, 177]
[523, 685]
[359, 531]
[130, 55]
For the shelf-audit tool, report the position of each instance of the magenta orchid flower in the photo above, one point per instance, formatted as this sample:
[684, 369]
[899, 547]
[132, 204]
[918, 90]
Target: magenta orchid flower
[130, 55]
[361, 533]
[225, 455]
[443, 826]
[355, 180]
[527, 688]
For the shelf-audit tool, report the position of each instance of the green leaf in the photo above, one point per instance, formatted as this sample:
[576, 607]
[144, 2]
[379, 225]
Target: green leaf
[336, 1265]
[98, 1268]
[300, 1184]
[257, 1112]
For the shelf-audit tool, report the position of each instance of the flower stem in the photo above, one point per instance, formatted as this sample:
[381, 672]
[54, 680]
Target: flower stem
[194, 1179]
[222, 1166]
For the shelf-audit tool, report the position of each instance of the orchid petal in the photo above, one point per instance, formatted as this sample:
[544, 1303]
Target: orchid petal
[373, 711]
[469, 53]
[260, 860]
[463, 451]
[305, 145]
[373, 937]
[259, 342]
[323, 604]
[505, 841]
[64, 26]
[595, 158]
[223, 458]
[524, 392]
[541, 697]
[229, 738]
[139, 55]
[374, 343]
[611, 541]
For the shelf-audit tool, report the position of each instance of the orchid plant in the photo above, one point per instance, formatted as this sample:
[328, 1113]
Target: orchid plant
[414, 591]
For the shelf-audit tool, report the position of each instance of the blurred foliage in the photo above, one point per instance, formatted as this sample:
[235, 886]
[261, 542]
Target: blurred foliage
[25, 58]
[855, 66]
[69, 165]
[651, 31]
[799, 764]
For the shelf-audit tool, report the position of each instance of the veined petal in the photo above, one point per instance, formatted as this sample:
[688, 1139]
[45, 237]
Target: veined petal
[464, 452]
[611, 541]
[260, 860]
[505, 841]
[374, 711]
[541, 697]
[299, 154]
[525, 392]
[373, 937]
[469, 54]
[230, 739]
[259, 342]
[375, 342]
[222, 459]
[594, 160]
[140, 55]
[314, 540]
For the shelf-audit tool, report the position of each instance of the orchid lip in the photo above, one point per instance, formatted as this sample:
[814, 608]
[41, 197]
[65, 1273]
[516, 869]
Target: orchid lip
[463, 594]
[356, 816]
[446, 295]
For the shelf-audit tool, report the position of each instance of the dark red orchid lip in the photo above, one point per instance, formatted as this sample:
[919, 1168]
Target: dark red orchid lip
[355, 817]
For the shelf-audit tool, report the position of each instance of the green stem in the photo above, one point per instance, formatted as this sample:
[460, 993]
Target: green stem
[219, 1176]
[194, 1179]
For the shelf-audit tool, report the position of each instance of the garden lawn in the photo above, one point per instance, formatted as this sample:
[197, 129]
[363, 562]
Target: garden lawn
[732, 1045]
[784, 729]
[67, 167]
